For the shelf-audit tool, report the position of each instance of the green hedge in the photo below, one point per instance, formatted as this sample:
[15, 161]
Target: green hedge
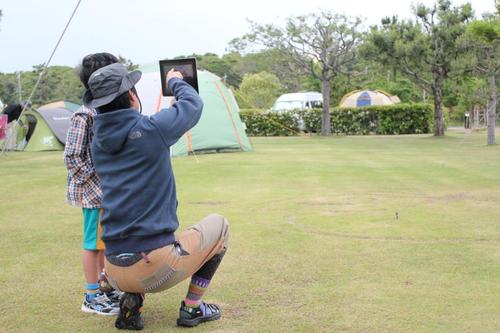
[389, 119]
[270, 124]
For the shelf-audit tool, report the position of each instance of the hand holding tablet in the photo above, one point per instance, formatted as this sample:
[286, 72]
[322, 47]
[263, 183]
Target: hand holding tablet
[174, 73]
[184, 69]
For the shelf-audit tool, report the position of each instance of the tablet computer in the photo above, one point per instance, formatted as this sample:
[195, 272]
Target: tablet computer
[187, 66]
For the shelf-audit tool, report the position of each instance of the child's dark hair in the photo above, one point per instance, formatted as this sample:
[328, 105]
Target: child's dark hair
[93, 62]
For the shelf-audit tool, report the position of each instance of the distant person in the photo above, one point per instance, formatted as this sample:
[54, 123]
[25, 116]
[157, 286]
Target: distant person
[15, 131]
[14, 110]
[84, 190]
[131, 155]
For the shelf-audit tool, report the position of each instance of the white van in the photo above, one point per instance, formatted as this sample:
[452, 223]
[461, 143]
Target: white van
[300, 100]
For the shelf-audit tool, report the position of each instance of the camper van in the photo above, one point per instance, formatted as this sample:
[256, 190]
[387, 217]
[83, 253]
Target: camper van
[300, 101]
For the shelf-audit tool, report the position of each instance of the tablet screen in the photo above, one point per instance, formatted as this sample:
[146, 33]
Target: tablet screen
[187, 67]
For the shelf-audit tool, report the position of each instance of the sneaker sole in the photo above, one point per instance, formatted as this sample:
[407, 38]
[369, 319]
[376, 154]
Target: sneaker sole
[121, 325]
[196, 321]
[135, 322]
[87, 310]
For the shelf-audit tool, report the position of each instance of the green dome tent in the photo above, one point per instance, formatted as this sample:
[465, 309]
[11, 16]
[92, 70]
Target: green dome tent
[45, 129]
[41, 129]
[220, 127]
[38, 130]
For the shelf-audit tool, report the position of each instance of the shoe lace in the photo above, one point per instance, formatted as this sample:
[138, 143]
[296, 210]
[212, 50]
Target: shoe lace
[101, 297]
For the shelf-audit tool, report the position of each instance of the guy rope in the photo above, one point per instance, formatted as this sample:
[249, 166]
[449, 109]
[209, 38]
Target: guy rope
[42, 73]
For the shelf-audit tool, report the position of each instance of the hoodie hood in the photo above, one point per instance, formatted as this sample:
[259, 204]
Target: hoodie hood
[111, 129]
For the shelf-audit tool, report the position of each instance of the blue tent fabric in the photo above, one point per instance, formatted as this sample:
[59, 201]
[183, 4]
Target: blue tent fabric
[364, 99]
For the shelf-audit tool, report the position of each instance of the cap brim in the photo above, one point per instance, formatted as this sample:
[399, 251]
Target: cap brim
[88, 100]
[129, 81]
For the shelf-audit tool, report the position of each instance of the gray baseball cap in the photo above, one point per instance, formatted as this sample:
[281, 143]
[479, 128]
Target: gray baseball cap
[107, 83]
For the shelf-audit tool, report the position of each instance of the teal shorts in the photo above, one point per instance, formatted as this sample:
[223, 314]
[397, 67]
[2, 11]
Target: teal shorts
[92, 229]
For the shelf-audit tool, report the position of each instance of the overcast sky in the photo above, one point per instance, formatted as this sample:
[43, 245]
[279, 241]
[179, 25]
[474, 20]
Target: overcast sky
[147, 30]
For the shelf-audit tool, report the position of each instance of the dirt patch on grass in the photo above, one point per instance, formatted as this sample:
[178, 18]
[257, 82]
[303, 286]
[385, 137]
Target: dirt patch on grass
[333, 206]
[236, 312]
[326, 201]
[310, 203]
[349, 202]
[209, 203]
[311, 230]
[458, 196]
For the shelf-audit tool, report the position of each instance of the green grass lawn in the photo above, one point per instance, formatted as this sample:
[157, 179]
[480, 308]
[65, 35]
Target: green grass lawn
[341, 234]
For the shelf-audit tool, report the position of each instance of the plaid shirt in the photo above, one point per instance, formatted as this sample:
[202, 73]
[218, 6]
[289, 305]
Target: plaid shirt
[83, 186]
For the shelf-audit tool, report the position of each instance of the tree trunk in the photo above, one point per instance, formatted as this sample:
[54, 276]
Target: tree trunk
[492, 111]
[438, 105]
[325, 90]
[476, 116]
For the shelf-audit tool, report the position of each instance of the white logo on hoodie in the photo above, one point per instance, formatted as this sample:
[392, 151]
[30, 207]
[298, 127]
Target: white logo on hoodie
[135, 135]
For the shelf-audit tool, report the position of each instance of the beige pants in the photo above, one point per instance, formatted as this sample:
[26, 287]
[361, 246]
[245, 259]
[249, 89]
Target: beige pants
[165, 267]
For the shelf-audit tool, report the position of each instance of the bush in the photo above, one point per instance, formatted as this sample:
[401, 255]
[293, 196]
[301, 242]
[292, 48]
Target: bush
[389, 119]
[405, 119]
[260, 123]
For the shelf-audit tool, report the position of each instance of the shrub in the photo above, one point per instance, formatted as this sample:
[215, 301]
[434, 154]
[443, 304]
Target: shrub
[260, 123]
[404, 119]
[389, 119]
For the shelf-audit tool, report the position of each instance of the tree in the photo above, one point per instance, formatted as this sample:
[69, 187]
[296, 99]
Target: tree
[260, 90]
[275, 61]
[486, 34]
[127, 63]
[58, 82]
[322, 45]
[8, 88]
[473, 96]
[424, 50]
[224, 66]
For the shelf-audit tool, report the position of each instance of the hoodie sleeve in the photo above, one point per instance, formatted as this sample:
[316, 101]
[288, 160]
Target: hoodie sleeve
[173, 122]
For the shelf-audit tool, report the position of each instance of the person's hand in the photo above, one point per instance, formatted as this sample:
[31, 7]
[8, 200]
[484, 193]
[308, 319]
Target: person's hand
[173, 73]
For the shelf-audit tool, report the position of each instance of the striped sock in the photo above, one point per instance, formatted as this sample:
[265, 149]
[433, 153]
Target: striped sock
[197, 288]
[91, 290]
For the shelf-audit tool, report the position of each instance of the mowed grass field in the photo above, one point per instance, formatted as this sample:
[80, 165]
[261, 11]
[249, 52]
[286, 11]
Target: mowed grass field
[341, 234]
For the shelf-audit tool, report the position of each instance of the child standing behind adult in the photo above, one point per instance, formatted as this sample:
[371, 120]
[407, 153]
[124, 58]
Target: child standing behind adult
[84, 190]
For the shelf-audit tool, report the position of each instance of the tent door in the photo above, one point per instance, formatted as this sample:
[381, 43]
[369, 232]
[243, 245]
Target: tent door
[31, 126]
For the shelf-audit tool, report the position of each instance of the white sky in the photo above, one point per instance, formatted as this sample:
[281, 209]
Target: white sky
[148, 30]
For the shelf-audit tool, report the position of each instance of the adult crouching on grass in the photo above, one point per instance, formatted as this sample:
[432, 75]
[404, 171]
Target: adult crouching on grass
[131, 155]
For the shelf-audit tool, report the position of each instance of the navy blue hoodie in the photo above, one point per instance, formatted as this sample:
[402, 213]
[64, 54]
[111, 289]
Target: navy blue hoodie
[131, 154]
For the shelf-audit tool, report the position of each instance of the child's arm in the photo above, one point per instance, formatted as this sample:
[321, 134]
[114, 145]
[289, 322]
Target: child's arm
[76, 159]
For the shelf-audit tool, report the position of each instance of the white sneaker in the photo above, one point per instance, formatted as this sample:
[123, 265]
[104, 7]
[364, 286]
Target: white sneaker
[114, 296]
[100, 305]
